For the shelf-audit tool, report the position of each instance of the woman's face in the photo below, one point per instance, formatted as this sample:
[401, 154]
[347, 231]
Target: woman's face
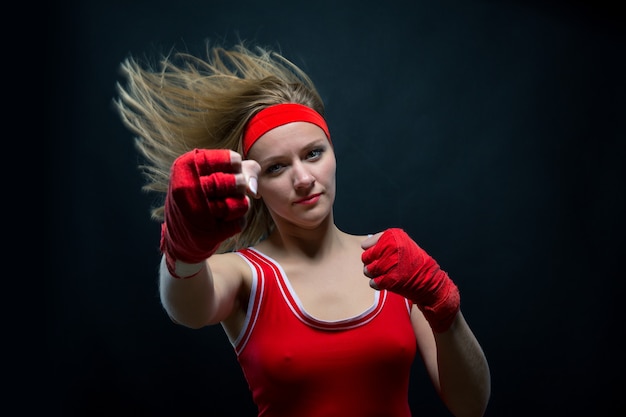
[297, 179]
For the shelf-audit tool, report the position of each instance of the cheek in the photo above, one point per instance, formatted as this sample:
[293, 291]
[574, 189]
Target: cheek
[271, 190]
[329, 172]
[331, 188]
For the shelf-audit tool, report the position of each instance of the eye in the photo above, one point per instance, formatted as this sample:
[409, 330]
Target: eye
[315, 154]
[274, 169]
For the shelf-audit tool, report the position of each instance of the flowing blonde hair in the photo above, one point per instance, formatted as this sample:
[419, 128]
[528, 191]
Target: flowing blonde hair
[191, 102]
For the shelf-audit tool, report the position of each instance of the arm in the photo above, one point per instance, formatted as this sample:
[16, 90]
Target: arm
[205, 204]
[453, 357]
[209, 296]
[456, 365]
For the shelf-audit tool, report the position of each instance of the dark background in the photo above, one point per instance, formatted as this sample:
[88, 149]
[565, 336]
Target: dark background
[493, 132]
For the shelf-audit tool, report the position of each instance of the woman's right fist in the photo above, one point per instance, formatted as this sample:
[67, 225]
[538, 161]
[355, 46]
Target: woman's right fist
[206, 203]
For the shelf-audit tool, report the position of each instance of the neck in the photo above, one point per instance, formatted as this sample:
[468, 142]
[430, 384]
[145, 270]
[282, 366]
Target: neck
[306, 243]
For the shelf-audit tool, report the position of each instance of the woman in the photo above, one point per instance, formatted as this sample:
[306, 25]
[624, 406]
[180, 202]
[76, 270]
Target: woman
[238, 145]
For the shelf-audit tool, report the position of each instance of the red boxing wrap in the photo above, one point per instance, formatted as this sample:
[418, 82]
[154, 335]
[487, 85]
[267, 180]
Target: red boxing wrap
[396, 263]
[202, 207]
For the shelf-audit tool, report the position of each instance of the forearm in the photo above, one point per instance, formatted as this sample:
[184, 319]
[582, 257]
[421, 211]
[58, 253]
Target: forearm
[456, 363]
[187, 301]
[464, 378]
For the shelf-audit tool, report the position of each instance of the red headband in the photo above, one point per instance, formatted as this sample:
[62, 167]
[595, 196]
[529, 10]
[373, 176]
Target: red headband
[278, 115]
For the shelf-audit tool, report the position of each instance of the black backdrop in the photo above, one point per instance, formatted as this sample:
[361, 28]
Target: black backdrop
[492, 131]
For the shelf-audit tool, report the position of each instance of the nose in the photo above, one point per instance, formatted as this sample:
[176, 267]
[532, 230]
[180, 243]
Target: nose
[302, 177]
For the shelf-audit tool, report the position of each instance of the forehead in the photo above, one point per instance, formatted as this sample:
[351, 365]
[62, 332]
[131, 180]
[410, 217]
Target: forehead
[287, 138]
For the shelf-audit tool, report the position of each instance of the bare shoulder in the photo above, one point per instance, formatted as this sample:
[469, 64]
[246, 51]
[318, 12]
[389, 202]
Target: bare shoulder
[232, 279]
[230, 267]
[353, 240]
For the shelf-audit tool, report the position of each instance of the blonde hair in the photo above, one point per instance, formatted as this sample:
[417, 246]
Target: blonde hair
[190, 102]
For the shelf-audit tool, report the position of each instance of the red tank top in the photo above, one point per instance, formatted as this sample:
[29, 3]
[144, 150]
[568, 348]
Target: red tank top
[300, 366]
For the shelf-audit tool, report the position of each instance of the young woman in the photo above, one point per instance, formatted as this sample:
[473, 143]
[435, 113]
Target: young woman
[323, 322]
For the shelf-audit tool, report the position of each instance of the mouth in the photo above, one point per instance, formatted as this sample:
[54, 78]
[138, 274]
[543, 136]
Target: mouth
[310, 199]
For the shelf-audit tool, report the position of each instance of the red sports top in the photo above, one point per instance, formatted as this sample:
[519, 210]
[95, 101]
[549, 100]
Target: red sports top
[299, 366]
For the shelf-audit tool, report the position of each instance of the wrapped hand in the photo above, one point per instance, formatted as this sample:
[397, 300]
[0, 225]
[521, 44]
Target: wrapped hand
[396, 263]
[205, 205]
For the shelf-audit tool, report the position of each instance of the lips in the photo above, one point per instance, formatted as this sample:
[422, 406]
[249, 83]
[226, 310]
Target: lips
[311, 199]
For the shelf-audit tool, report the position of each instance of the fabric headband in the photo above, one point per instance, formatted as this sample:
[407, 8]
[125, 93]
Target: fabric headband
[278, 115]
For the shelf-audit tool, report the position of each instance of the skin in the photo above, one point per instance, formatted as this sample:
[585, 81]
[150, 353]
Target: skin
[292, 168]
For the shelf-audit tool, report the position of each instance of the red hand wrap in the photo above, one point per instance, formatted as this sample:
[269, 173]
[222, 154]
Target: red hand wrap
[202, 206]
[398, 264]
